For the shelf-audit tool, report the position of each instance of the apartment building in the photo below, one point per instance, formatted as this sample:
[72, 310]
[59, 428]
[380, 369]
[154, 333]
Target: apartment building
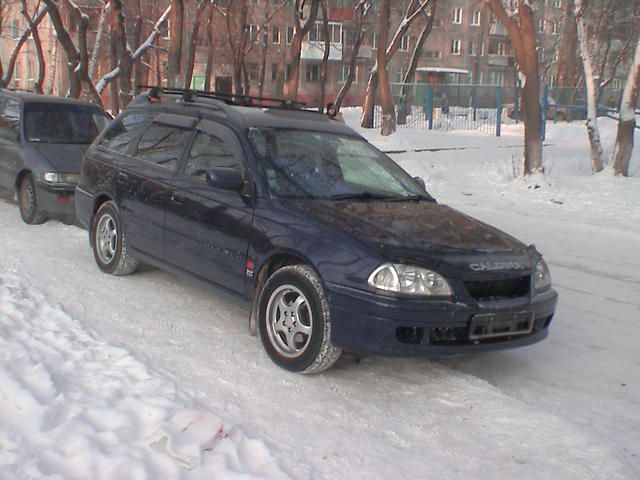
[467, 45]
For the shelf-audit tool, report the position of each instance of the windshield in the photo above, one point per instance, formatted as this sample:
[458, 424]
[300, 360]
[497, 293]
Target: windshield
[315, 165]
[61, 123]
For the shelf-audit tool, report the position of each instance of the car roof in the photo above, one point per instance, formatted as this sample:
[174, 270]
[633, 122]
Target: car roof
[284, 117]
[32, 97]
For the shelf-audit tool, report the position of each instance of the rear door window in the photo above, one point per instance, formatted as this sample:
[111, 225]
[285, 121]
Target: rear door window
[9, 119]
[209, 151]
[125, 131]
[162, 145]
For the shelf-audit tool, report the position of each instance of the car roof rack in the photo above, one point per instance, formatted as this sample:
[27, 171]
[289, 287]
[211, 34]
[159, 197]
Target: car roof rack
[190, 95]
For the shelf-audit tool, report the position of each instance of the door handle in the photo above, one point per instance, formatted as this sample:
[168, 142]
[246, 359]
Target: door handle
[176, 198]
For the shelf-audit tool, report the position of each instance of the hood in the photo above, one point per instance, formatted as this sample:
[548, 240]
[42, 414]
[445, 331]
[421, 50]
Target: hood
[65, 157]
[411, 227]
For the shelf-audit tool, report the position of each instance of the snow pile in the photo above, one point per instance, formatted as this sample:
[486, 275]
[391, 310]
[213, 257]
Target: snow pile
[460, 167]
[72, 406]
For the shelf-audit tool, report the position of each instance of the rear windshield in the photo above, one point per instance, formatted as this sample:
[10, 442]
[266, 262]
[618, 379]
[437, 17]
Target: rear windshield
[59, 123]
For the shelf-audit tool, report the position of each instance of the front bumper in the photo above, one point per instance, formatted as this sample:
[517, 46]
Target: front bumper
[57, 201]
[363, 322]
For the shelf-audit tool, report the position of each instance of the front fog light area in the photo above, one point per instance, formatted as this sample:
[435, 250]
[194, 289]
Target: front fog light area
[61, 178]
[409, 280]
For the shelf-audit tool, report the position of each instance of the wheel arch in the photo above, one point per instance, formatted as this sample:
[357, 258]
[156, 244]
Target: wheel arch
[21, 175]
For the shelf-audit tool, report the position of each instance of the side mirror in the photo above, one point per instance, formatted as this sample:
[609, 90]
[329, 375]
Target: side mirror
[420, 182]
[225, 178]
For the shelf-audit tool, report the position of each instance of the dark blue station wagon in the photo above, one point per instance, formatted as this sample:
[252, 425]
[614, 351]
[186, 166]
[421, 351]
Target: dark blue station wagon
[334, 244]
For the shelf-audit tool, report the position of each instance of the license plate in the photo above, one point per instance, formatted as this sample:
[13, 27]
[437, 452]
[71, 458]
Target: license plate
[494, 325]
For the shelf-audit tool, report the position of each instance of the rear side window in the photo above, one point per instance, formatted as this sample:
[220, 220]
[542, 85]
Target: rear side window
[125, 131]
[9, 118]
[162, 145]
[208, 151]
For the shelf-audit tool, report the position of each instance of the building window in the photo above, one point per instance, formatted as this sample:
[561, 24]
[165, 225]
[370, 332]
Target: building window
[313, 72]
[287, 71]
[557, 3]
[252, 71]
[435, 54]
[165, 28]
[275, 35]
[496, 78]
[616, 84]
[374, 40]
[541, 24]
[253, 33]
[274, 72]
[289, 36]
[15, 28]
[473, 48]
[555, 28]
[404, 43]
[456, 47]
[501, 49]
[316, 34]
[457, 16]
[475, 18]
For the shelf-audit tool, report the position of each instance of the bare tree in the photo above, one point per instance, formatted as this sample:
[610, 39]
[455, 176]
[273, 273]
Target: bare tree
[324, 65]
[522, 30]
[414, 9]
[305, 14]
[413, 61]
[37, 86]
[211, 51]
[176, 27]
[97, 46]
[587, 64]
[627, 121]
[7, 71]
[193, 41]
[267, 17]
[362, 10]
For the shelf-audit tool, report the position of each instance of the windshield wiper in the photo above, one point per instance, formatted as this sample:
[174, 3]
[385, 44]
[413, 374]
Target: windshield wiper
[411, 198]
[362, 196]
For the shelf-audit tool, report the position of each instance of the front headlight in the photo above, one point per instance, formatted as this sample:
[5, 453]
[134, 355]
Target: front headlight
[61, 178]
[409, 280]
[541, 277]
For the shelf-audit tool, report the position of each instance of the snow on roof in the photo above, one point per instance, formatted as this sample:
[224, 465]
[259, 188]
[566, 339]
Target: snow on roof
[442, 70]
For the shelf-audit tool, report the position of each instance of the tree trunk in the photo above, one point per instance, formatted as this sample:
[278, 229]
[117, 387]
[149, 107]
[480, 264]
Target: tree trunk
[301, 29]
[211, 52]
[175, 47]
[593, 132]
[115, 101]
[369, 105]
[413, 64]
[123, 54]
[386, 100]
[568, 50]
[138, 66]
[37, 86]
[193, 42]
[627, 122]
[93, 63]
[362, 10]
[262, 73]
[324, 67]
[523, 35]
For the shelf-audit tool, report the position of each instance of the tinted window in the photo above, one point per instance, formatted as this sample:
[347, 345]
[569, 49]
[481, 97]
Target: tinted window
[60, 123]
[209, 151]
[162, 145]
[125, 131]
[9, 118]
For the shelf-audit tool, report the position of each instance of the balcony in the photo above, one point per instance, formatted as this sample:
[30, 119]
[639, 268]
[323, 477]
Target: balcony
[499, 60]
[498, 29]
[315, 51]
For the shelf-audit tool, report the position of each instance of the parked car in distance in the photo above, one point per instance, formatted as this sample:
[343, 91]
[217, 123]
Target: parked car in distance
[560, 112]
[337, 247]
[42, 140]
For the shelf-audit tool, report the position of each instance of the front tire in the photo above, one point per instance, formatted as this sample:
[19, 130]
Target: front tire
[109, 242]
[28, 202]
[294, 321]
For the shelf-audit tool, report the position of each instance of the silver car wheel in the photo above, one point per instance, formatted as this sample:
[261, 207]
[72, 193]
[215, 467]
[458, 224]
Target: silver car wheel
[106, 238]
[289, 321]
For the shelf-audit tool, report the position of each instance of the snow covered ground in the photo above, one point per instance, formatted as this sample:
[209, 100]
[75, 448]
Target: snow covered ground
[148, 376]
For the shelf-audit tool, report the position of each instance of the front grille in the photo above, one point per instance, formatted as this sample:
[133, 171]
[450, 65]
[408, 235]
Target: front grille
[487, 290]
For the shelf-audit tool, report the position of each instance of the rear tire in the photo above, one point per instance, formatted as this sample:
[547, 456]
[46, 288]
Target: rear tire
[109, 242]
[294, 321]
[28, 202]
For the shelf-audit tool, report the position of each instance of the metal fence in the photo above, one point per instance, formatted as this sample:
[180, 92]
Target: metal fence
[485, 108]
